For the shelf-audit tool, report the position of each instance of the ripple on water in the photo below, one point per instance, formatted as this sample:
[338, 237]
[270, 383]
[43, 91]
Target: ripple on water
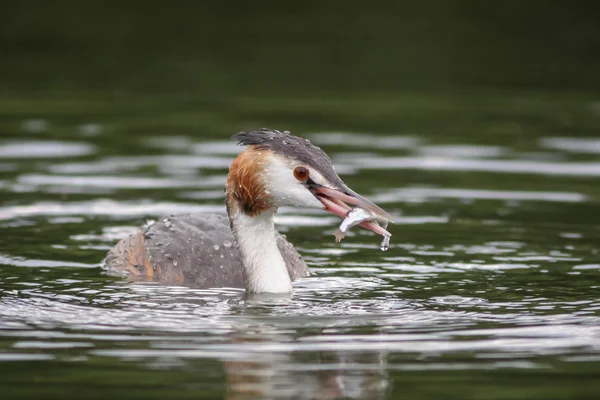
[472, 165]
[572, 145]
[32, 149]
[465, 151]
[168, 164]
[365, 140]
[440, 299]
[422, 194]
[35, 263]
[402, 327]
[121, 182]
[116, 209]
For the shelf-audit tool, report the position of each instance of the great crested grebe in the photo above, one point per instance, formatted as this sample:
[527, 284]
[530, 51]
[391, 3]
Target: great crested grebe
[208, 250]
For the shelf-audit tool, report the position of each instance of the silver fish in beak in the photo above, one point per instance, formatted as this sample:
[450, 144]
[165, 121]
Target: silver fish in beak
[366, 214]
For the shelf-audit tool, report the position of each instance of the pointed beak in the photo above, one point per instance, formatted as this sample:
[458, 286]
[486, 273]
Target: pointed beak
[337, 201]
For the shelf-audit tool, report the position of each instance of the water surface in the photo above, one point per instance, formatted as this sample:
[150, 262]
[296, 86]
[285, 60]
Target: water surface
[491, 284]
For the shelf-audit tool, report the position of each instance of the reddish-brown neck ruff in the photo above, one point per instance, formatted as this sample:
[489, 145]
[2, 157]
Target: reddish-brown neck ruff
[245, 189]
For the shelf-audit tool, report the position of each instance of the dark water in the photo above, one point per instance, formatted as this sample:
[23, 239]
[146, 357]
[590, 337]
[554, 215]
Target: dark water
[491, 286]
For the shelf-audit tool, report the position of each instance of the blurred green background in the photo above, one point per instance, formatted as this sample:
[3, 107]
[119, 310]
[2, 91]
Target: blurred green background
[215, 68]
[294, 48]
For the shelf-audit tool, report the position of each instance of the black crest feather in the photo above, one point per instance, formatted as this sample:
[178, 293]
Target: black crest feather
[261, 136]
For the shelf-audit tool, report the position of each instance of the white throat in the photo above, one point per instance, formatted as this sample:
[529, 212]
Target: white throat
[264, 268]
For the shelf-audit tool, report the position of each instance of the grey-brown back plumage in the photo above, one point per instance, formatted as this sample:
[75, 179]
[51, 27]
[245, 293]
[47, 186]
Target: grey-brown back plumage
[200, 248]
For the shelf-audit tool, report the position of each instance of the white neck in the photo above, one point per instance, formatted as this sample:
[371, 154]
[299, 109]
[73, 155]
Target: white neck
[264, 268]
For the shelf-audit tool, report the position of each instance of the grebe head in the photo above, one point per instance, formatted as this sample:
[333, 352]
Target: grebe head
[279, 169]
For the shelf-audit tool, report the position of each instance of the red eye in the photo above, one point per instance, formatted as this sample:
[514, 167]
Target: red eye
[301, 173]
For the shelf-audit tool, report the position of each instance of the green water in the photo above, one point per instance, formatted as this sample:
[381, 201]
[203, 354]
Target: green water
[476, 126]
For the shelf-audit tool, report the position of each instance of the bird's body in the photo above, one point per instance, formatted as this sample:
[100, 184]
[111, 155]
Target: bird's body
[243, 249]
[194, 250]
